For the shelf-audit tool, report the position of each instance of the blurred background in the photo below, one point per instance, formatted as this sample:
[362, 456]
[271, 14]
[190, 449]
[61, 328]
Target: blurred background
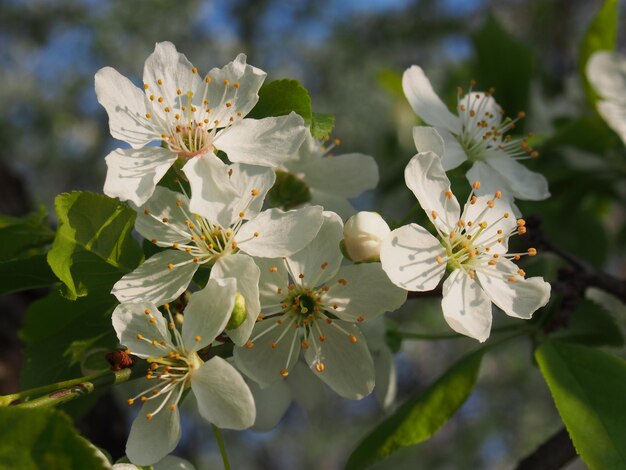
[350, 55]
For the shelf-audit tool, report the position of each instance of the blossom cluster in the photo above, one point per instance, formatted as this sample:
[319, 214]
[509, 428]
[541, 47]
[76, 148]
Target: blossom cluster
[273, 282]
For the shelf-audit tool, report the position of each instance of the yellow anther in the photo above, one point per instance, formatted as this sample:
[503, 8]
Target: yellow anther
[196, 259]
[145, 86]
[170, 266]
[255, 234]
[147, 311]
[491, 204]
[160, 82]
[322, 338]
[352, 338]
[165, 220]
[194, 70]
[360, 318]
[521, 115]
[167, 109]
[476, 185]
[492, 262]
[512, 279]
[207, 79]
[534, 154]
[273, 345]
[197, 338]
[152, 320]
[130, 401]
[498, 195]
[521, 272]
[228, 104]
[148, 115]
[175, 246]
[139, 336]
[255, 192]
[154, 342]
[320, 367]
[439, 260]
[343, 282]
[448, 194]
[521, 230]
[433, 214]
[179, 92]
[149, 416]
[532, 252]
[284, 372]
[160, 100]
[172, 407]
[236, 85]
[506, 215]
[249, 344]
[242, 213]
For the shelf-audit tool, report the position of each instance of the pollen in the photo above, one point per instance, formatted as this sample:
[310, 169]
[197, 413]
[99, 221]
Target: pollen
[194, 70]
[284, 372]
[532, 251]
[360, 318]
[249, 344]
[434, 214]
[320, 367]
[165, 220]
[148, 115]
[149, 416]
[197, 338]
[343, 282]
[439, 260]
[130, 401]
[179, 92]
[170, 266]
[352, 338]
[147, 311]
[139, 336]
[476, 185]
[255, 192]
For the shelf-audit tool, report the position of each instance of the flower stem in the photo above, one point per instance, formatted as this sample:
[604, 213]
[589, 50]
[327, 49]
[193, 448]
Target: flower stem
[63, 392]
[220, 444]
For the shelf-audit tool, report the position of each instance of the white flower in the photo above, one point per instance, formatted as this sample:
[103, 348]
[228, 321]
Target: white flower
[189, 116]
[325, 179]
[362, 235]
[472, 246]
[477, 135]
[607, 73]
[218, 231]
[170, 462]
[222, 395]
[311, 303]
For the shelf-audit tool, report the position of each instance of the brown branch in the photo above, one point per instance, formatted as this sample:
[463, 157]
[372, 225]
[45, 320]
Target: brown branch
[553, 454]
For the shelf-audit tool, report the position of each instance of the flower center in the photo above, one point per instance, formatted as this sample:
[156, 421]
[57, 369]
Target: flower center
[190, 141]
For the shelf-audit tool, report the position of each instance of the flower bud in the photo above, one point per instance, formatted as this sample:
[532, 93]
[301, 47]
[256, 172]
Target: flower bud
[363, 234]
[239, 313]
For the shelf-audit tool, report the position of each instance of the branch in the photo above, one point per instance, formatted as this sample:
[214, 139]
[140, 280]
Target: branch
[553, 454]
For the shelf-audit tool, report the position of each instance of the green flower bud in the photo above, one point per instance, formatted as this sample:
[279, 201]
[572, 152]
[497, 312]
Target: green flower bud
[239, 313]
[288, 191]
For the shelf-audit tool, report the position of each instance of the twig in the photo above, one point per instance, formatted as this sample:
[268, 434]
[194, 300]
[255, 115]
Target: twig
[553, 454]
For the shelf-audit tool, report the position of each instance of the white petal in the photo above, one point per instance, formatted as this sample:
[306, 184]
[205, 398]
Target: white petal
[427, 139]
[155, 281]
[246, 178]
[345, 175]
[247, 273]
[348, 366]
[151, 440]
[133, 174]
[408, 256]
[271, 403]
[363, 290]
[466, 308]
[263, 363]
[490, 180]
[273, 281]
[386, 378]
[425, 177]
[207, 313]
[424, 101]
[614, 113]
[164, 205]
[172, 462]
[265, 142]
[607, 73]
[212, 192]
[130, 320]
[521, 182]
[244, 98]
[330, 202]
[306, 390]
[517, 299]
[126, 106]
[280, 233]
[453, 153]
[324, 251]
[223, 397]
[485, 108]
[174, 71]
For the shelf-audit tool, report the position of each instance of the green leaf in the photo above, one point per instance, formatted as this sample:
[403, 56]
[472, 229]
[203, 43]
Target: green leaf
[25, 273]
[590, 324]
[421, 417]
[322, 125]
[601, 35]
[20, 236]
[588, 387]
[59, 334]
[503, 62]
[391, 81]
[281, 97]
[93, 246]
[33, 439]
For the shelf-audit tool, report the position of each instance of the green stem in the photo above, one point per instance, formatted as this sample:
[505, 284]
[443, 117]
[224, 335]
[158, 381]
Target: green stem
[63, 392]
[220, 444]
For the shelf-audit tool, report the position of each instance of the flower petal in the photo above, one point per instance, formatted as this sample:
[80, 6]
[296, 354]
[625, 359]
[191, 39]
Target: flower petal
[271, 404]
[466, 307]
[428, 139]
[485, 110]
[223, 397]
[175, 73]
[265, 142]
[133, 174]
[323, 251]
[346, 175]
[246, 178]
[152, 439]
[425, 102]
[521, 182]
[425, 177]
[520, 298]
[207, 313]
[614, 113]
[172, 462]
[408, 256]
[330, 202]
[386, 377]
[222, 87]
[306, 390]
[363, 290]
[453, 153]
[244, 269]
[168, 206]
[131, 320]
[273, 281]
[275, 347]
[155, 281]
[347, 364]
[212, 192]
[607, 73]
[126, 106]
[279, 233]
